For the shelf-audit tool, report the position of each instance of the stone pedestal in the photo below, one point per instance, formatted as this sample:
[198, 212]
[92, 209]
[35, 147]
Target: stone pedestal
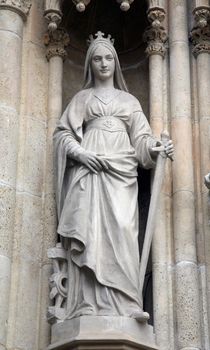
[102, 333]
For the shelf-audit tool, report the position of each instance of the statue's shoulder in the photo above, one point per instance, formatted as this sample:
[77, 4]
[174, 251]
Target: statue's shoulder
[131, 101]
[81, 95]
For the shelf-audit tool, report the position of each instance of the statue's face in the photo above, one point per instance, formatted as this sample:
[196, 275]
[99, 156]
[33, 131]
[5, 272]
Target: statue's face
[103, 63]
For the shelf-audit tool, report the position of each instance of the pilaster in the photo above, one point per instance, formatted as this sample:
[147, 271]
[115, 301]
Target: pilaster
[156, 38]
[12, 14]
[188, 334]
[200, 38]
[56, 43]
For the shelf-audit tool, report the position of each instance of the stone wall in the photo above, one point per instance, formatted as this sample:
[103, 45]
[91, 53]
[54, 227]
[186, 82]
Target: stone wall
[173, 86]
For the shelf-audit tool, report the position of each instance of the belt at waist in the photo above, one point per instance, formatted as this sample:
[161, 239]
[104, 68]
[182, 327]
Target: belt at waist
[111, 124]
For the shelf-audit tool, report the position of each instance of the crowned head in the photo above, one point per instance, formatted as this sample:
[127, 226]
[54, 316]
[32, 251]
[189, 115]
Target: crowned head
[108, 43]
[100, 37]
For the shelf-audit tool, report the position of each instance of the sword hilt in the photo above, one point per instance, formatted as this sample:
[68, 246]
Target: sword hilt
[164, 139]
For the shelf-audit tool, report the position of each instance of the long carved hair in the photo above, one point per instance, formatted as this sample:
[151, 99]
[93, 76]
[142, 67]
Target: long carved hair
[119, 81]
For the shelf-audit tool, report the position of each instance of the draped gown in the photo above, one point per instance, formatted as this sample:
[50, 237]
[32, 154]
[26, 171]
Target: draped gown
[98, 213]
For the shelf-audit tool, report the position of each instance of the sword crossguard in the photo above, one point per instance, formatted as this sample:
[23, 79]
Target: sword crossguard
[164, 139]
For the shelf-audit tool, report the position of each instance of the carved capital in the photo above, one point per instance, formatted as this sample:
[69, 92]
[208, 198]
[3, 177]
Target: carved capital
[156, 39]
[22, 7]
[81, 4]
[156, 35]
[156, 48]
[56, 43]
[53, 14]
[200, 34]
[156, 16]
[201, 16]
[125, 4]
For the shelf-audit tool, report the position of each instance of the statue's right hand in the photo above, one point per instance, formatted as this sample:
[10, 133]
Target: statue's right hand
[92, 161]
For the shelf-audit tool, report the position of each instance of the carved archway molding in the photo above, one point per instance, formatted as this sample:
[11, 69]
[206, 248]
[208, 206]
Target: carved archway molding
[53, 12]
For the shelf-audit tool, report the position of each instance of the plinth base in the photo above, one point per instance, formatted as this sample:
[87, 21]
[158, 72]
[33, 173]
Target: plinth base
[102, 333]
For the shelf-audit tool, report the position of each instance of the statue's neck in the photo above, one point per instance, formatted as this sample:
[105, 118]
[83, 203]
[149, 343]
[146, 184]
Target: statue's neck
[104, 84]
[104, 92]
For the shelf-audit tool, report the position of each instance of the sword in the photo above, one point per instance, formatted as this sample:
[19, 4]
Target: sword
[151, 220]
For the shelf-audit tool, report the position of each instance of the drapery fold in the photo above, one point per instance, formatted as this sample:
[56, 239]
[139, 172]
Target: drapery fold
[98, 213]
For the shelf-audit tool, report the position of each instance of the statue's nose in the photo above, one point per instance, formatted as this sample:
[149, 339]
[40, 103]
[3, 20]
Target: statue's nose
[103, 63]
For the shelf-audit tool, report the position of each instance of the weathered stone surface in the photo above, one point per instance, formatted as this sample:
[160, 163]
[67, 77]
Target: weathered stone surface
[29, 227]
[182, 175]
[10, 67]
[36, 71]
[32, 166]
[92, 331]
[36, 25]
[29, 230]
[50, 225]
[24, 301]
[5, 270]
[44, 329]
[161, 290]
[11, 22]
[7, 201]
[8, 144]
[187, 299]
[184, 221]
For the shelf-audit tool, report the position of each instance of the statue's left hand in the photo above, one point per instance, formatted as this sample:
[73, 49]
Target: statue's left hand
[169, 149]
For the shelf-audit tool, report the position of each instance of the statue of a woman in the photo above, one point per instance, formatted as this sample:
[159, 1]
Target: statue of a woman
[101, 138]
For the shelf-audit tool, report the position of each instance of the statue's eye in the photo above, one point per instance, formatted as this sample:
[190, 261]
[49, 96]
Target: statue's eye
[96, 58]
[109, 58]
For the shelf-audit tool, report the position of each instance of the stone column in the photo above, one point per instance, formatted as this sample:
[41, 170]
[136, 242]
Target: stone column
[56, 43]
[187, 304]
[12, 16]
[200, 37]
[156, 37]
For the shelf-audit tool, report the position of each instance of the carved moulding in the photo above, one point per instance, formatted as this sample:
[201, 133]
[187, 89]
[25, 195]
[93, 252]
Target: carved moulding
[56, 43]
[200, 34]
[58, 284]
[53, 14]
[201, 15]
[155, 35]
[22, 7]
[125, 4]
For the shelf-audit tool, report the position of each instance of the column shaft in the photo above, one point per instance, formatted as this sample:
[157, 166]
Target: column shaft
[203, 80]
[159, 244]
[186, 281]
[50, 236]
[157, 36]
[11, 29]
[156, 93]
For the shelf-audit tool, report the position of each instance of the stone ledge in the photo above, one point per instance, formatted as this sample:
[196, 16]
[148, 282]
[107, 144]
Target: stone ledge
[102, 332]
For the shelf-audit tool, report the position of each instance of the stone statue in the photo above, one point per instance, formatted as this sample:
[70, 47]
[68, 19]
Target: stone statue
[207, 180]
[100, 140]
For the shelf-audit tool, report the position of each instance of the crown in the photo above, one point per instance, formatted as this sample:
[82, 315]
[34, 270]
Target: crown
[99, 36]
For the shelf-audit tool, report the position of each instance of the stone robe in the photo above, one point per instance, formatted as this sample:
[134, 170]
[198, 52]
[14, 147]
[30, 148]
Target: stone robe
[98, 213]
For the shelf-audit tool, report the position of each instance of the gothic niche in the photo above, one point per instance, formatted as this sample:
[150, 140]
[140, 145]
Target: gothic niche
[127, 28]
